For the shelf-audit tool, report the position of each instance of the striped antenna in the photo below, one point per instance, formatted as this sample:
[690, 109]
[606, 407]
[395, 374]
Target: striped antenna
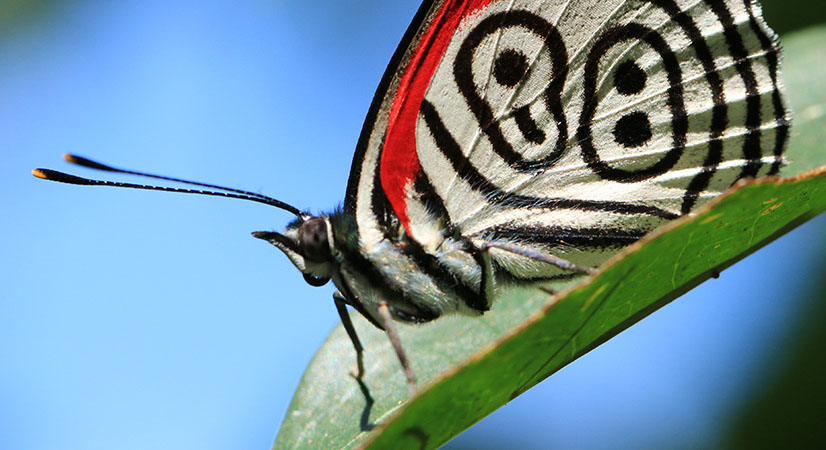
[54, 175]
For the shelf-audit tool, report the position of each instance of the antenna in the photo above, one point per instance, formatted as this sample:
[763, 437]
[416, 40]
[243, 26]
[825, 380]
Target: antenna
[60, 177]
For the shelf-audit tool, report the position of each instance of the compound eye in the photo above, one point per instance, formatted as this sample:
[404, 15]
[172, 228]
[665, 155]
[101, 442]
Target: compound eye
[312, 236]
[316, 281]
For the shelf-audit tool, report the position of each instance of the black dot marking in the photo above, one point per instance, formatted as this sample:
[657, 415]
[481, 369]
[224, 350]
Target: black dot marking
[629, 78]
[633, 130]
[625, 130]
[510, 67]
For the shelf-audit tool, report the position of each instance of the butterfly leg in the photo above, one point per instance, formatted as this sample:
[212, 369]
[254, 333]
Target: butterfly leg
[486, 285]
[341, 307]
[390, 328]
[539, 256]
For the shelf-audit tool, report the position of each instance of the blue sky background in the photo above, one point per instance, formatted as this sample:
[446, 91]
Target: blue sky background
[137, 320]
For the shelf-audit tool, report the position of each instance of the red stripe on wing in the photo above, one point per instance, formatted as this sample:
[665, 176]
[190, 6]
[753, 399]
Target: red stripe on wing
[399, 160]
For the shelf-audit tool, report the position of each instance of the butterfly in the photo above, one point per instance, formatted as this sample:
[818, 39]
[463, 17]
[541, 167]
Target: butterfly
[520, 142]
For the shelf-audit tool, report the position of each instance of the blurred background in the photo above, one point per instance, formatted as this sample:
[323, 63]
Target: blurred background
[137, 320]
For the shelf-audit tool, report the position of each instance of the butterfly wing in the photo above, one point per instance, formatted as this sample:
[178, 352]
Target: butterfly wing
[570, 126]
[372, 170]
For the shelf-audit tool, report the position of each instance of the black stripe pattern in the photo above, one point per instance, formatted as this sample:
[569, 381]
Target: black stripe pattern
[572, 128]
[665, 106]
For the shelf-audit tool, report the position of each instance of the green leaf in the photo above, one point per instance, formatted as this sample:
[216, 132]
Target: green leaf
[791, 15]
[469, 367]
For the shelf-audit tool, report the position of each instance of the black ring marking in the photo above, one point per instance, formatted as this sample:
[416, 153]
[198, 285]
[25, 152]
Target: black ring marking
[450, 149]
[679, 122]
[463, 75]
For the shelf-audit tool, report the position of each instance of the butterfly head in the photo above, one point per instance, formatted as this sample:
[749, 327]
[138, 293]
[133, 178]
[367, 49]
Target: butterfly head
[308, 243]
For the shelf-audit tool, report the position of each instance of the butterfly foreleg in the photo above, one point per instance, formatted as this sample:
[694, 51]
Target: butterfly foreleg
[341, 307]
[389, 326]
[486, 283]
[535, 255]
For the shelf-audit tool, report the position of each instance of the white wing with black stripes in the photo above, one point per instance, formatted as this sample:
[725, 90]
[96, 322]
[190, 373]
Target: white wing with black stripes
[517, 141]
[570, 126]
